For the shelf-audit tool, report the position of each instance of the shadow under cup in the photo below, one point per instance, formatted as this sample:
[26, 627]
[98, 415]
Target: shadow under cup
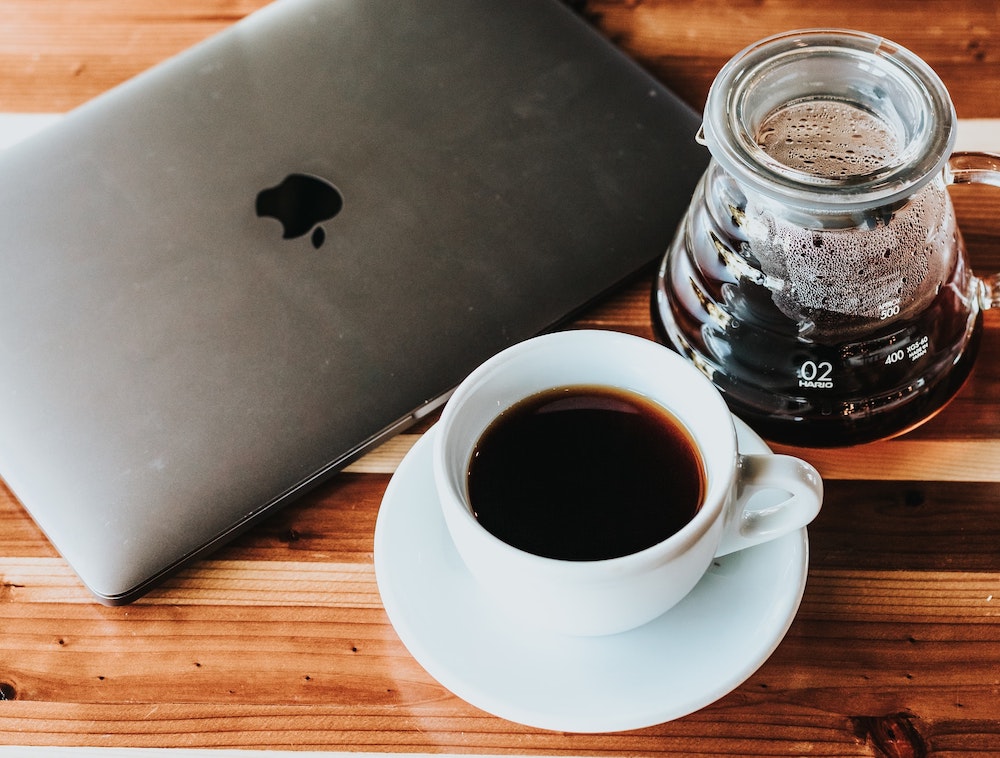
[594, 596]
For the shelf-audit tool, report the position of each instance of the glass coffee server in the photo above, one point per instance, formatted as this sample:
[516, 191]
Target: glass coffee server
[819, 278]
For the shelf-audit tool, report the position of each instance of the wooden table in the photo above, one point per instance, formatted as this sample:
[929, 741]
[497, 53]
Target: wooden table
[280, 640]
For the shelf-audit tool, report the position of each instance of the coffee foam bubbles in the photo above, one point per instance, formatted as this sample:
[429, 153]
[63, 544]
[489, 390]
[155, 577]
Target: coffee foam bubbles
[841, 282]
[828, 138]
[844, 281]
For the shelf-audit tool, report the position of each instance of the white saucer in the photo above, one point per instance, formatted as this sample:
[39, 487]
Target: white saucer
[691, 656]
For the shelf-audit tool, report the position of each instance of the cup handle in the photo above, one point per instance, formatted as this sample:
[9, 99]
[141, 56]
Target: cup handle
[978, 168]
[748, 526]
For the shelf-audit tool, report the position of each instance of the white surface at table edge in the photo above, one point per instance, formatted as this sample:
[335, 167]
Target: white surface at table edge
[973, 134]
[125, 752]
[979, 134]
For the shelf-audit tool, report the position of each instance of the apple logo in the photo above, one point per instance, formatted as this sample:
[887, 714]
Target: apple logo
[301, 202]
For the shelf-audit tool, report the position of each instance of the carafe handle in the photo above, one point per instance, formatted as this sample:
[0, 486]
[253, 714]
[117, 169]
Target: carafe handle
[978, 168]
[974, 168]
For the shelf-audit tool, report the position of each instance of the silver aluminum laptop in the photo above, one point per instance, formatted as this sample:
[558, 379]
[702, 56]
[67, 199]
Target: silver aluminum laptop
[229, 277]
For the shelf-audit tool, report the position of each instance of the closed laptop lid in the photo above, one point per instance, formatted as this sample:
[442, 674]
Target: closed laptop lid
[227, 278]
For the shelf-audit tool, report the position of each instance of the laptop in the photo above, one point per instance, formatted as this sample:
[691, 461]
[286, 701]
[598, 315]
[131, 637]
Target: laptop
[231, 276]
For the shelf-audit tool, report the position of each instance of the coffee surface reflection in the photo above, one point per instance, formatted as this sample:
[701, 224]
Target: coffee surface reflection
[585, 473]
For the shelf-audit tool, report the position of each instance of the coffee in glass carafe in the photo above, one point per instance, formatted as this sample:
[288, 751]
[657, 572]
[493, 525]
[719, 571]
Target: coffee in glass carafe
[819, 277]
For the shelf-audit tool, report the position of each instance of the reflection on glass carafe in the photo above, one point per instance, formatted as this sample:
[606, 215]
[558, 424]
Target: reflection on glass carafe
[819, 277]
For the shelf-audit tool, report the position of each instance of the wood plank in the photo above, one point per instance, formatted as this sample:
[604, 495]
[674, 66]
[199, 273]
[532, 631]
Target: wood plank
[915, 639]
[686, 42]
[897, 460]
[55, 56]
[279, 641]
[907, 525]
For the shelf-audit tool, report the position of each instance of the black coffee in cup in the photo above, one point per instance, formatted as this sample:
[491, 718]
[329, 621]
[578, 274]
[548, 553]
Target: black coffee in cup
[585, 473]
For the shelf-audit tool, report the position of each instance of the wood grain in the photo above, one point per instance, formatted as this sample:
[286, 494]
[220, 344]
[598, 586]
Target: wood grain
[57, 55]
[685, 42]
[279, 640]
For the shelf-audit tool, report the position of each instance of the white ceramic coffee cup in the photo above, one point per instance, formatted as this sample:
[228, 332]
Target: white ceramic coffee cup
[613, 595]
